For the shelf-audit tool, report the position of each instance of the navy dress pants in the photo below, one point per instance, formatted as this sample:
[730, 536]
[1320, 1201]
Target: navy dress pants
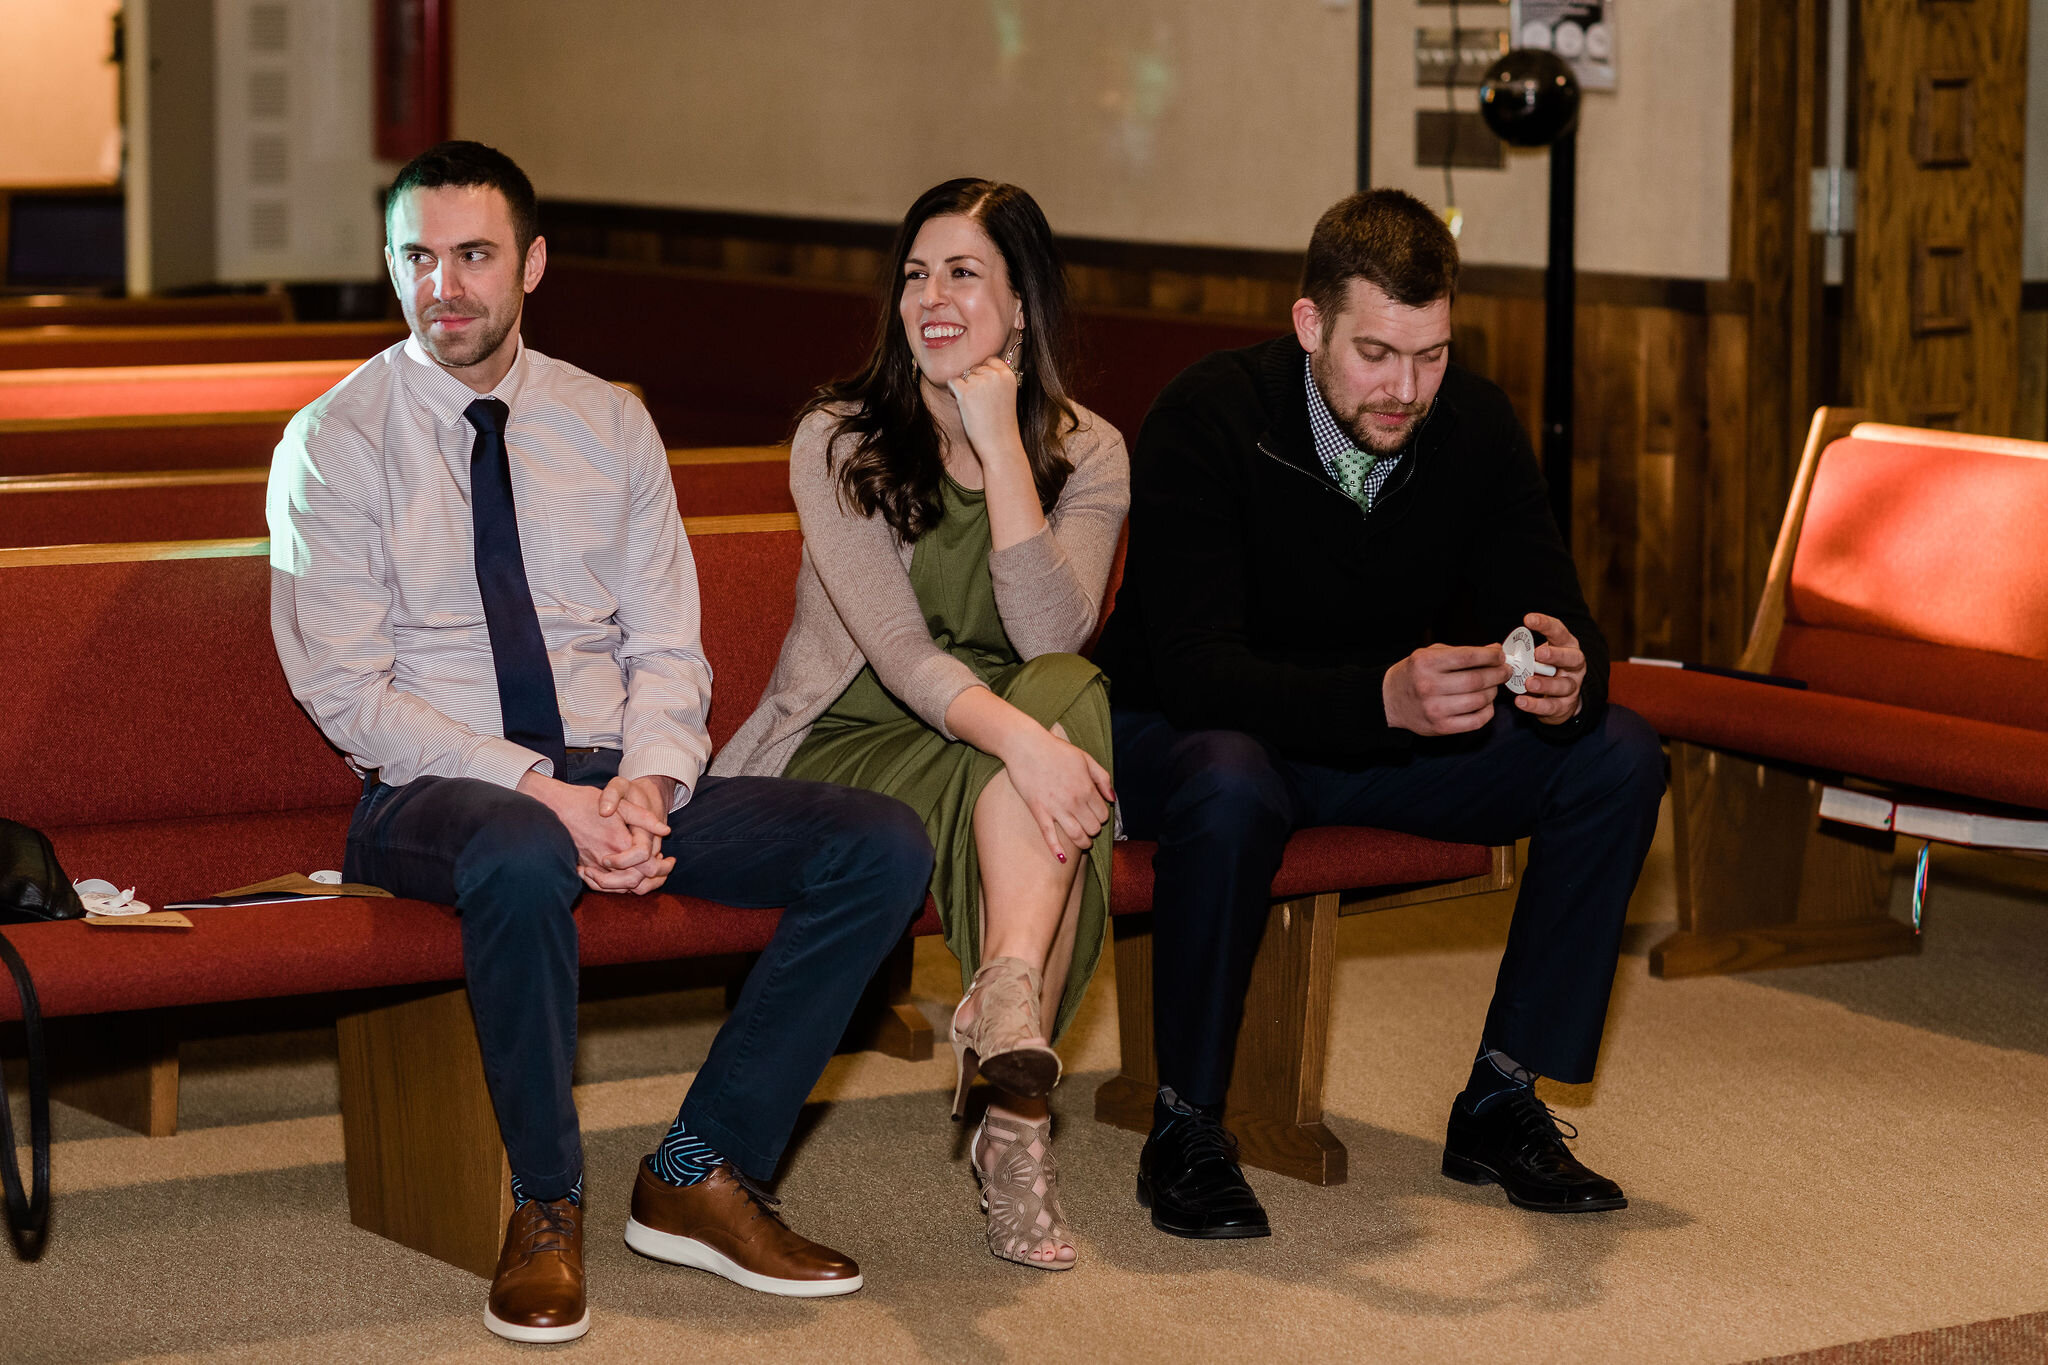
[849, 867]
[1221, 806]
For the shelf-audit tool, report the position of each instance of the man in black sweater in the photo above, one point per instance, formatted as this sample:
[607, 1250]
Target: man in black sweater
[1331, 534]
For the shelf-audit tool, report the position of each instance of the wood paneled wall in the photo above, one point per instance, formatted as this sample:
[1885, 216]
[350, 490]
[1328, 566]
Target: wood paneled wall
[1663, 517]
[2030, 416]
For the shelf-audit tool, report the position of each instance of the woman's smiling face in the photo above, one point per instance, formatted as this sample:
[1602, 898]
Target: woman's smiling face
[957, 306]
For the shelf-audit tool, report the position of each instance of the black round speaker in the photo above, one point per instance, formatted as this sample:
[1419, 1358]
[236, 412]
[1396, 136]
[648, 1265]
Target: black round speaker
[1530, 98]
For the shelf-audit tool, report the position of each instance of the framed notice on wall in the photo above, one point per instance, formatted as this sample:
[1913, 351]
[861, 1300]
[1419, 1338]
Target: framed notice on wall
[1579, 31]
[412, 76]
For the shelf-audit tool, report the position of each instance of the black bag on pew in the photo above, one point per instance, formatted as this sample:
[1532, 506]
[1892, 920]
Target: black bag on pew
[32, 887]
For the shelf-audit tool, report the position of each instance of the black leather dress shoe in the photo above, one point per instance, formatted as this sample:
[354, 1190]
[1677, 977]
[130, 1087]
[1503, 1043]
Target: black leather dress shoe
[1516, 1145]
[1189, 1177]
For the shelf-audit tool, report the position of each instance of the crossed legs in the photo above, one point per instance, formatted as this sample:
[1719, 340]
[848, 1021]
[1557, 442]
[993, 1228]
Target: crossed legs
[1030, 911]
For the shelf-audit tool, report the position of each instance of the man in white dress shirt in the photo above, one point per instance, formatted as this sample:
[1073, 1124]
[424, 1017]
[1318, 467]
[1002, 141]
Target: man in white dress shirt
[483, 595]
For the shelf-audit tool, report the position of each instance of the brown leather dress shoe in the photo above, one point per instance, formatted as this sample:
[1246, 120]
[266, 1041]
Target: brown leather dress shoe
[537, 1294]
[724, 1224]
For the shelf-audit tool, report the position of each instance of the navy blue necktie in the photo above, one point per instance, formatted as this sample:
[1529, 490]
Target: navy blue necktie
[526, 685]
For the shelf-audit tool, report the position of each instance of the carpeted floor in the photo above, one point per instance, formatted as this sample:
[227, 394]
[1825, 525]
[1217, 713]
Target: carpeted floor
[1994, 1342]
[1816, 1156]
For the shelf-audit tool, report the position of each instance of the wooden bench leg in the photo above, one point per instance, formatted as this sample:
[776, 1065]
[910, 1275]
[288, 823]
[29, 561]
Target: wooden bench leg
[1763, 881]
[1275, 1106]
[123, 1068]
[426, 1167]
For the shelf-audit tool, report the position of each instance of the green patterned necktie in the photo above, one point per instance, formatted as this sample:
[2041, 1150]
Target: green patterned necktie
[1353, 465]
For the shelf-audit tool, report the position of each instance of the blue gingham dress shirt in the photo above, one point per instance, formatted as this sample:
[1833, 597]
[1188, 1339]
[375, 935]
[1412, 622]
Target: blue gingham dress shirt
[1360, 473]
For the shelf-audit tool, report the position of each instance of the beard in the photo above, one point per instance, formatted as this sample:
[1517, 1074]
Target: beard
[1358, 424]
[1367, 435]
[475, 346]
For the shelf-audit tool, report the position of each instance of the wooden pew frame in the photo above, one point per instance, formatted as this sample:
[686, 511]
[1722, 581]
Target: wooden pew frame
[1275, 1104]
[50, 346]
[86, 480]
[124, 420]
[87, 310]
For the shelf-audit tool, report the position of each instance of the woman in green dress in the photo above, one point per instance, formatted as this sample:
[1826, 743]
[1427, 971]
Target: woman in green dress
[960, 515]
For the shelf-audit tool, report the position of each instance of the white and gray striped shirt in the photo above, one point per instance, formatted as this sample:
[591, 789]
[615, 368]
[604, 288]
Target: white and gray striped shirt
[374, 599]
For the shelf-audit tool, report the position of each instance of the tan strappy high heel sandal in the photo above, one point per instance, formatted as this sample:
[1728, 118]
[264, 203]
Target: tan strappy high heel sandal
[1005, 993]
[1019, 1191]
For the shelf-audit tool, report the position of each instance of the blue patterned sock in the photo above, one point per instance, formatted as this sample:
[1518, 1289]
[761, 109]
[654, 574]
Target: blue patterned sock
[684, 1158]
[520, 1196]
[1494, 1075]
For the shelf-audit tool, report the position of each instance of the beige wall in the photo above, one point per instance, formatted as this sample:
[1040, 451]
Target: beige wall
[58, 110]
[1225, 122]
[1653, 153]
[1180, 120]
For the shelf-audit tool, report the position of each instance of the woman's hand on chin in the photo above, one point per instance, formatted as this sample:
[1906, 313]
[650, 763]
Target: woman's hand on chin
[987, 395]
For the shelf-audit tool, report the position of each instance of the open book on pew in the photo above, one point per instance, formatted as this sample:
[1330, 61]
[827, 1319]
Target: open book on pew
[1937, 823]
[276, 891]
[1740, 674]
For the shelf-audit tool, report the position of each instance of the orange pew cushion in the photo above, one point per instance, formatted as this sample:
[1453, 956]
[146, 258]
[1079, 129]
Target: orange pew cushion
[120, 392]
[1931, 543]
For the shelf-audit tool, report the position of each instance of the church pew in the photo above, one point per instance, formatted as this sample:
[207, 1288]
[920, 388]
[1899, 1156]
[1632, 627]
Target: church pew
[63, 347]
[82, 421]
[210, 504]
[1909, 592]
[139, 442]
[77, 310]
[222, 780]
[95, 392]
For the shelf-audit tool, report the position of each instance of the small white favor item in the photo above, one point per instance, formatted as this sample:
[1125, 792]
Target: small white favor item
[326, 878]
[104, 900]
[1521, 651]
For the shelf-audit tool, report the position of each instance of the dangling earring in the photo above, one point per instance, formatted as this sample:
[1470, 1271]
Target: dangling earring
[1014, 356]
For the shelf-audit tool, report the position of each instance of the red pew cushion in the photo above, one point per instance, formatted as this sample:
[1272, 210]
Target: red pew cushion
[1971, 758]
[152, 691]
[254, 952]
[105, 516]
[724, 490]
[93, 448]
[1332, 858]
[1999, 688]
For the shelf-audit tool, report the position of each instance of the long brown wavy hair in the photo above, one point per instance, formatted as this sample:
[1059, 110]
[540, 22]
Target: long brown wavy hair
[893, 465]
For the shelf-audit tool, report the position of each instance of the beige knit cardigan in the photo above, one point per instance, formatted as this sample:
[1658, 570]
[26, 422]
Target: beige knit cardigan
[854, 604]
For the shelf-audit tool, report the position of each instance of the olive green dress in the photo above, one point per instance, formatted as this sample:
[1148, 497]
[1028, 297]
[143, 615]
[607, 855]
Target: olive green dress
[869, 739]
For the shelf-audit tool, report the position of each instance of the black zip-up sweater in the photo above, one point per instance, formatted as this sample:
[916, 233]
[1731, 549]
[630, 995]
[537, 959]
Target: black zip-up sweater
[1258, 597]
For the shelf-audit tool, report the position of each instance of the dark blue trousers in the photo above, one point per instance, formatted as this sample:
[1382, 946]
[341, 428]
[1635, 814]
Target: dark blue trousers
[849, 867]
[1221, 805]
